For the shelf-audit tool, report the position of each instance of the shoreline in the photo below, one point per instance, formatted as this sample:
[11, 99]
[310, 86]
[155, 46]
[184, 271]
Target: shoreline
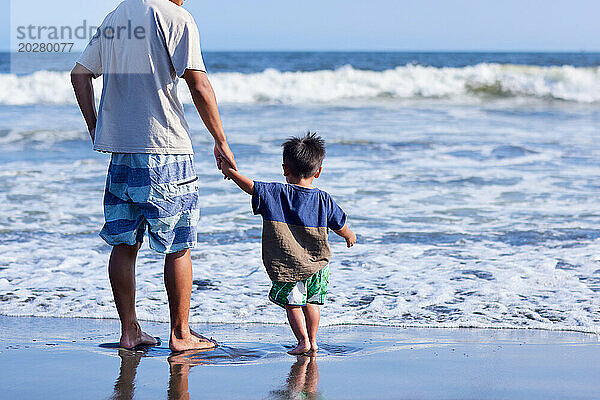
[440, 326]
[65, 357]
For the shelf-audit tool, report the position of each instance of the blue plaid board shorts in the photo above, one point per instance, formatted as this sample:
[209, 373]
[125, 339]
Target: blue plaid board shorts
[154, 192]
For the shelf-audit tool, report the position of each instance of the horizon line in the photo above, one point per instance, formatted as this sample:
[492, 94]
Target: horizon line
[595, 51]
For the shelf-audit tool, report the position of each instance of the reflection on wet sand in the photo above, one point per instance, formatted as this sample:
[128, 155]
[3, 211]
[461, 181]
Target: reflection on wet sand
[179, 369]
[125, 385]
[178, 381]
[302, 382]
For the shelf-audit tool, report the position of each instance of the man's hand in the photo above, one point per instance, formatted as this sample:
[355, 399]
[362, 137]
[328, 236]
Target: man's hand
[223, 153]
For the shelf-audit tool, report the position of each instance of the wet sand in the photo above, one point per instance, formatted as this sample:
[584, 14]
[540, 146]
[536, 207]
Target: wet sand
[47, 358]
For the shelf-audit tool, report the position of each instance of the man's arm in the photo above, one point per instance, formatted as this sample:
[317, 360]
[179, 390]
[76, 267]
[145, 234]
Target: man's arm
[347, 234]
[245, 183]
[206, 104]
[81, 78]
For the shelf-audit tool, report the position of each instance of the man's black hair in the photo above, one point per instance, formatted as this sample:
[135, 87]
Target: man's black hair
[303, 156]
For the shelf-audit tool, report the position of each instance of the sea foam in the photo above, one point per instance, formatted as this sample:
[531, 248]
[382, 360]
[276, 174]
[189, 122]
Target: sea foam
[466, 216]
[482, 81]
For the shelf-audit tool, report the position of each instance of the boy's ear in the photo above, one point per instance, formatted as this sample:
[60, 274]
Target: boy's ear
[286, 171]
[319, 172]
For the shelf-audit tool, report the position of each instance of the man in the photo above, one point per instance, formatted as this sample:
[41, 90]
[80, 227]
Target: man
[141, 49]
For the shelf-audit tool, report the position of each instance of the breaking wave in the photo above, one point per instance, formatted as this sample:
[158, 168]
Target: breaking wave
[482, 81]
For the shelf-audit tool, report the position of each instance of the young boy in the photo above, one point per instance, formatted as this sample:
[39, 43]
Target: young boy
[296, 222]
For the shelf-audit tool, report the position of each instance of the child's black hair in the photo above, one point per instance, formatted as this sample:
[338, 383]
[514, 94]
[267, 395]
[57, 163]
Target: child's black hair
[303, 156]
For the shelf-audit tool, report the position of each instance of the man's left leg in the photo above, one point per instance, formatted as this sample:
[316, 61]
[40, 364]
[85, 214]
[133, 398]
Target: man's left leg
[178, 281]
[121, 271]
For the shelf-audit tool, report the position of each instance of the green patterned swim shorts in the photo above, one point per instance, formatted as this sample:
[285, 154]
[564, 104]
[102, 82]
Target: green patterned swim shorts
[311, 290]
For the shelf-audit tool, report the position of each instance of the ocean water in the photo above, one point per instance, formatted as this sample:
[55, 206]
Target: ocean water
[471, 179]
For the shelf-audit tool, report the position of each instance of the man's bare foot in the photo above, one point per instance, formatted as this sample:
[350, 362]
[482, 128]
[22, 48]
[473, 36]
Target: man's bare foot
[136, 337]
[314, 349]
[300, 349]
[203, 337]
[190, 341]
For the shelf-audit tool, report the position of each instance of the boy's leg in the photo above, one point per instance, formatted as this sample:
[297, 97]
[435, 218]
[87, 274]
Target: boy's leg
[312, 314]
[316, 290]
[296, 318]
[121, 271]
[178, 281]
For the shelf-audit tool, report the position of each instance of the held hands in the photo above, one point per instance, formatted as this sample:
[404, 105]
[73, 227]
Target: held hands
[226, 168]
[223, 155]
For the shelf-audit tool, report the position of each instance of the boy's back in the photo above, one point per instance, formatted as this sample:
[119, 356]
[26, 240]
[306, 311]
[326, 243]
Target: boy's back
[296, 223]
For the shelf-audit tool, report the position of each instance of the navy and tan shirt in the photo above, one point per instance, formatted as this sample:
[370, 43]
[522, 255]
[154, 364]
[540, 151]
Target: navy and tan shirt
[296, 223]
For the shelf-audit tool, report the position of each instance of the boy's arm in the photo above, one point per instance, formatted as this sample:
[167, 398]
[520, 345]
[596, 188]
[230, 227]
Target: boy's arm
[347, 234]
[245, 183]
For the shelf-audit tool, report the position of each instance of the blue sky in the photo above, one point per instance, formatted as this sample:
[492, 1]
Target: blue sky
[563, 25]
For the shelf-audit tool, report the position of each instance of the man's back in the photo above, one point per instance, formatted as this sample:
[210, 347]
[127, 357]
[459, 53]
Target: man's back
[152, 43]
[141, 49]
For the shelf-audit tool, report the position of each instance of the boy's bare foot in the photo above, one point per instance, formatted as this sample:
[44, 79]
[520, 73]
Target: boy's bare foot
[190, 341]
[300, 349]
[136, 337]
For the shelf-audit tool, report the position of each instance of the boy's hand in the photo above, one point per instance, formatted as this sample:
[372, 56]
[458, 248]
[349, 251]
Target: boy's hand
[231, 172]
[347, 234]
[351, 239]
[226, 168]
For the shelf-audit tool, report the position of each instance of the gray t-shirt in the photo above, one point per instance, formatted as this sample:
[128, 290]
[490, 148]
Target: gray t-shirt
[141, 49]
